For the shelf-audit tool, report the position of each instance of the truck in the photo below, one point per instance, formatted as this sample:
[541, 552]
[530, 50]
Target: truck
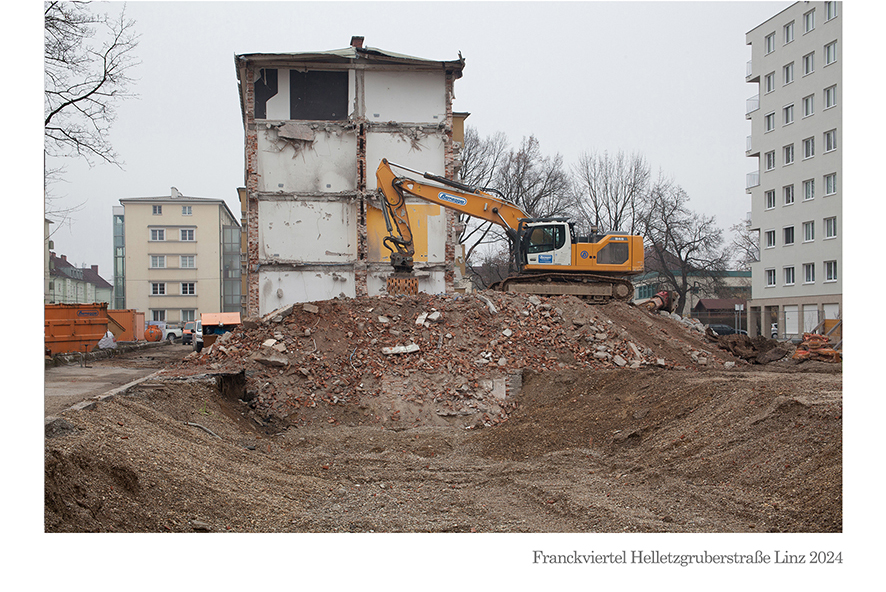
[548, 255]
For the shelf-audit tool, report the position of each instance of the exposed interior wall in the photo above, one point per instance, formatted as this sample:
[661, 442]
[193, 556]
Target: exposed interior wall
[406, 97]
[307, 158]
[307, 231]
[280, 286]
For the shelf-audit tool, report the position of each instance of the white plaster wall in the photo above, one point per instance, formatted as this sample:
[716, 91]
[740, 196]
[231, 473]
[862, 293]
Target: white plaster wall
[408, 97]
[433, 283]
[307, 231]
[278, 105]
[426, 156]
[326, 165]
[436, 237]
[281, 288]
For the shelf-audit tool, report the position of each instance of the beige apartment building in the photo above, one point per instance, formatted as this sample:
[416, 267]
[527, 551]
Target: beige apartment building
[176, 257]
[796, 192]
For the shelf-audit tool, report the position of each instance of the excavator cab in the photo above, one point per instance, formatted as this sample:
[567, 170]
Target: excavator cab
[545, 242]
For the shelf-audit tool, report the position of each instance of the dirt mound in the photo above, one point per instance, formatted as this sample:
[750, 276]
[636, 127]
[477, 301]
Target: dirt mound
[434, 360]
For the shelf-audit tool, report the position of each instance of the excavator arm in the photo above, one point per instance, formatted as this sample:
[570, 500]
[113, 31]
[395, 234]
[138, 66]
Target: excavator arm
[453, 195]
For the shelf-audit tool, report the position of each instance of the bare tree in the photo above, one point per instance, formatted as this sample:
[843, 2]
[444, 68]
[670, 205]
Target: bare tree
[481, 160]
[87, 58]
[538, 184]
[680, 242]
[610, 190]
[745, 245]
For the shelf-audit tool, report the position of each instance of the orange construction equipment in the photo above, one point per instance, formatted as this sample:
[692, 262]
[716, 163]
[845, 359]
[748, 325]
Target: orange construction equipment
[153, 333]
[74, 327]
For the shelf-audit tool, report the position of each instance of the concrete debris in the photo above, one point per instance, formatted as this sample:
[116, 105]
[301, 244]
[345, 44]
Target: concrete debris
[329, 353]
[400, 349]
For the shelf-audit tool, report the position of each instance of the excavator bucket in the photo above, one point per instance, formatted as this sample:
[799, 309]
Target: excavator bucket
[397, 284]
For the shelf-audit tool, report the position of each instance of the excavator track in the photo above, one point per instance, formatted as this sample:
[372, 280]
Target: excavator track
[597, 288]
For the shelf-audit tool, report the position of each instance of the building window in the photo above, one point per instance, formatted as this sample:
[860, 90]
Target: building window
[830, 184]
[808, 232]
[830, 227]
[770, 199]
[188, 289]
[770, 277]
[789, 73]
[809, 21]
[770, 239]
[158, 289]
[830, 10]
[830, 271]
[808, 63]
[830, 140]
[187, 261]
[157, 210]
[187, 234]
[788, 192]
[158, 234]
[788, 114]
[788, 235]
[830, 97]
[808, 147]
[158, 315]
[789, 276]
[808, 189]
[808, 105]
[158, 261]
[188, 315]
[186, 211]
[769, 122]
[769, 82]
[809, 273]
[830, 53]
[770, 160]
[789, 32]
[788, 154]
[770, 43]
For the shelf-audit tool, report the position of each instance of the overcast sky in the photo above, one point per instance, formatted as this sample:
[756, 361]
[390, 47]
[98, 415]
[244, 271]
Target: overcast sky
[664, 79]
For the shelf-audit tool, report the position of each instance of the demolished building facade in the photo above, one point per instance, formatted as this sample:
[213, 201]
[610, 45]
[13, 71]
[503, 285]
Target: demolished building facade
[316, 127]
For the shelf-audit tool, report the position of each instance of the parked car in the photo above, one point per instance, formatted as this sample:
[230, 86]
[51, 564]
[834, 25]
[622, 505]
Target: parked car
[173, 333]
[726, 330]
[188, 333]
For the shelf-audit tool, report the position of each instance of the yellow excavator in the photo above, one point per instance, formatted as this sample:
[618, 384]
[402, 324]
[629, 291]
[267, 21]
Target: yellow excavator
[550, 258]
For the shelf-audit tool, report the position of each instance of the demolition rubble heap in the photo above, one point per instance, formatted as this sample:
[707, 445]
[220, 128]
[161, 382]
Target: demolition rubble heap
[435, 359]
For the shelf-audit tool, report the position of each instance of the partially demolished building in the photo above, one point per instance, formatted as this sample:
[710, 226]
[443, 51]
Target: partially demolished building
[316, 127]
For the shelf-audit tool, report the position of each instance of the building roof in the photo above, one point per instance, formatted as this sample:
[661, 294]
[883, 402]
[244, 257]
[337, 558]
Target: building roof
[175, 197]
[350, 54]
[60, 267]
[718, 303]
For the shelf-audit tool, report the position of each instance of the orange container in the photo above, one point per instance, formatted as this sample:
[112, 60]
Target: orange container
[127, 324]
[74, 327]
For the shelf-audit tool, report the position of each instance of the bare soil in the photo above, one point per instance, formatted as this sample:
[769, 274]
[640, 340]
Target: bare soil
[503, 421]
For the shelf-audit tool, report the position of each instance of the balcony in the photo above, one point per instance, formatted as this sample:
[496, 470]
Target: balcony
[749, 148]
[753, 104]
[750, 76]
[753, 180]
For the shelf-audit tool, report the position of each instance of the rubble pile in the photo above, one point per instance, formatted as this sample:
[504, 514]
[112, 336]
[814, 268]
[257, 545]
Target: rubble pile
[433, 359]
[816, 347]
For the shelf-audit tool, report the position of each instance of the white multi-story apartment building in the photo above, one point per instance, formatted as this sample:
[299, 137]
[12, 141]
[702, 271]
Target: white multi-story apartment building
[176, 257]
[796, 195]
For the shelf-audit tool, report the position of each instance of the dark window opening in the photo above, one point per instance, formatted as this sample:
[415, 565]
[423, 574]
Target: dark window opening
[318, 95]
[613, 254]
[265, 89]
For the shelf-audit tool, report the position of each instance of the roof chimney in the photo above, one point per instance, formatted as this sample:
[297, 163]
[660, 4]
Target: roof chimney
[95, 269]
[357, 42]
[64, 257]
